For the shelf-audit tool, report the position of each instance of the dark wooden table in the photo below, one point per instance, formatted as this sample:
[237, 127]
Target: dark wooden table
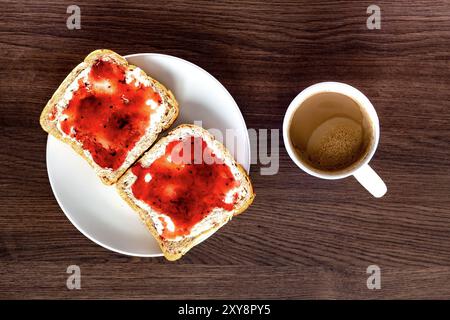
[303, 237]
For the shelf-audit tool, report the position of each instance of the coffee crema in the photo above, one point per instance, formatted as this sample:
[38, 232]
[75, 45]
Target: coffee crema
[331, 132]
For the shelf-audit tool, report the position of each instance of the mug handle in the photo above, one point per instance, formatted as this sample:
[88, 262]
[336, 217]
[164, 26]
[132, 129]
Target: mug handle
[370, 180]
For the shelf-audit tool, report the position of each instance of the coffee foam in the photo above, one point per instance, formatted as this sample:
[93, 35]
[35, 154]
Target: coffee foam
[331, 132]
[335, 144]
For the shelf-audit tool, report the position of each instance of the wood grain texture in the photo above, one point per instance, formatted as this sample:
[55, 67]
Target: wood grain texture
[303, 237]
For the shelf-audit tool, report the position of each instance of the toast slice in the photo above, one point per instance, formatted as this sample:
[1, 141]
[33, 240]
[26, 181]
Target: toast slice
[110, 112]
[185, 188]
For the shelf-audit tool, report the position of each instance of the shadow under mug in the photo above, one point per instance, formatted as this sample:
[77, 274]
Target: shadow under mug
[365, 175]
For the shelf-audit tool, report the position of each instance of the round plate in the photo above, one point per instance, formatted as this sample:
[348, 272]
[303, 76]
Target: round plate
[97, 210]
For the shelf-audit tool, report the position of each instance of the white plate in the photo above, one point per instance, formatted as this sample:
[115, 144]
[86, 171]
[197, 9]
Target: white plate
[96, 210]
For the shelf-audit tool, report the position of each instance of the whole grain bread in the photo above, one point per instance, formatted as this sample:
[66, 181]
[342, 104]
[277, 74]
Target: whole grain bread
[174, 249]
[168, 116]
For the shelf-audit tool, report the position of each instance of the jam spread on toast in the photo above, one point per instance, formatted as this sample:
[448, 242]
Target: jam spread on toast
[107, 115]
[183, 186]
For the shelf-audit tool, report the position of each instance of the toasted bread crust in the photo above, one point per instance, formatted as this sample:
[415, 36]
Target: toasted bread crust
[51, 126]
[175, 250]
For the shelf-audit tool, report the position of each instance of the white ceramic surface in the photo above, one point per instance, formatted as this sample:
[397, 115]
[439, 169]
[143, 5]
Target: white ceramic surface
[97, 210]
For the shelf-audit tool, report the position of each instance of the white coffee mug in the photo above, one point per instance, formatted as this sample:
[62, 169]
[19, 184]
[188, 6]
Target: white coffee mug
[362, 171]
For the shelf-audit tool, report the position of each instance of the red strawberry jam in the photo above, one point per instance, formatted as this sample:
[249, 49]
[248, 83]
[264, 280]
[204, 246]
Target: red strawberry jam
[107, 115]
[185, 188]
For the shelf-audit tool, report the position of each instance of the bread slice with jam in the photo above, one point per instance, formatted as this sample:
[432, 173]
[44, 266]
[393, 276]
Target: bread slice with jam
[185, 188]
[110, 112]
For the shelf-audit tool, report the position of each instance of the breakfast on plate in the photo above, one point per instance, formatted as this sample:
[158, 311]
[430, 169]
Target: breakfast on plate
[184, 187]
[110, 112]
